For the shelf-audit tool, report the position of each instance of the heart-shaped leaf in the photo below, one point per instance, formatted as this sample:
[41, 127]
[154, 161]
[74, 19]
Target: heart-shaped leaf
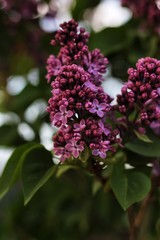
[129, 186]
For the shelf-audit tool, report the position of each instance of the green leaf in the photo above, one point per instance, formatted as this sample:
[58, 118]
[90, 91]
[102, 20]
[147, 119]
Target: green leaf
[13, 168]
[80, 7]
[21, 62]
[129, 186]
[109, 40]
[10, 134]
[24, 98]
[36, 170]
[143, 137]
[64, 168]
[144, 148]
[96, 186]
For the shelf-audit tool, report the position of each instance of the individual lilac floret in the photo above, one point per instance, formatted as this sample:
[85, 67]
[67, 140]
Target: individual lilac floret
[141, 93]
[53, 67]
[105, 130]
[147, 10]
[74, 148]
[78, 127]
[98, 108]
[101, 149]
[73, 50]
[63, 115]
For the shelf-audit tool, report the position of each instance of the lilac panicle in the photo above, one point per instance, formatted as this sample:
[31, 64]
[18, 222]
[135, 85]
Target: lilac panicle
[149, 10]
[142, 93]
[73, 50]
[78, 105]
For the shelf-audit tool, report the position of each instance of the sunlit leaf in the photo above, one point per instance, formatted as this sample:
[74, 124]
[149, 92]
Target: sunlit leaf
[64, 168]
[143, 137]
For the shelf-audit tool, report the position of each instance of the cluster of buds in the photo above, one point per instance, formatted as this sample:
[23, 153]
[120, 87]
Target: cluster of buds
[142, 94]
[79, 106]
[145, 9]
[73, 50]
[20, 9]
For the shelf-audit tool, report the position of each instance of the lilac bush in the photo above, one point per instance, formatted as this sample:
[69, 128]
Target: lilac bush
[115, 146]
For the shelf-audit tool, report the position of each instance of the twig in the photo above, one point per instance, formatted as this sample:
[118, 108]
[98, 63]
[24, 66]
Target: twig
[135, 221]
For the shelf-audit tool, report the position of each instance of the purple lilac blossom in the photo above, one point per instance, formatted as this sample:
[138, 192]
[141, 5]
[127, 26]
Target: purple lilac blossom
[62, 115]
[141, 93]
[147, 10]
[78, 105]
[74, 50]
[75, 148]
[98, 108]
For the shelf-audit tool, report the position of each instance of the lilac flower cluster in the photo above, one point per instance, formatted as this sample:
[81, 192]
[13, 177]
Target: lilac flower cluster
[146, 9]
[74, 50]
[21, 9]
[79, 105]
[142, 94]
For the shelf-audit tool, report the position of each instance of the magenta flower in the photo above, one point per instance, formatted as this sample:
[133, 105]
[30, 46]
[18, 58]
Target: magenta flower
[106, 131]
[62, 152]
[155, 125]
[142, 91]
[91, 86]
[53, 67]
[78, 127]
[146, 10]
[101, 149]
[74, 148]
[63, 115]
[98, 108]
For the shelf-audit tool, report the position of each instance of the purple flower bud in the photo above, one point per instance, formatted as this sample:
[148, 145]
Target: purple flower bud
[147, 11]
[142, 91]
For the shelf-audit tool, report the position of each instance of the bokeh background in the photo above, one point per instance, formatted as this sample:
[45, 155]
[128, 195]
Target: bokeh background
[74, 206]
